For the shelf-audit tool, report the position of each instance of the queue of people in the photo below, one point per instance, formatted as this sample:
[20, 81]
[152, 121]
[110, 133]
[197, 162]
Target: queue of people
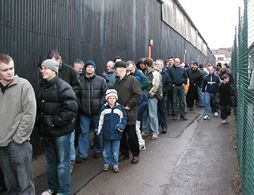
[118, 106]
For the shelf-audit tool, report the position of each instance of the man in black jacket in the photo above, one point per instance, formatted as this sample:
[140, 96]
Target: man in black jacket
[57, 109]
[65, 72]
[179, 79]
[92, 97]
[195, 78]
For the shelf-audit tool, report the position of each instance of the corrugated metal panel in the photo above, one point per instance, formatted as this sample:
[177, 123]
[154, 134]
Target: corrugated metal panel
[85, 29]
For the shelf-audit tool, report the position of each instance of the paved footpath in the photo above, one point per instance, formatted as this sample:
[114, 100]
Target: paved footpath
[194, 157]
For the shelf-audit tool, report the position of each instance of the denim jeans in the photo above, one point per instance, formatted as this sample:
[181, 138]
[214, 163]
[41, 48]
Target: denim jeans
[178, 94]
[151, 112]
[58, 164]
[72, 145]
[169, 101]
[162, 110]
[129, 141]
[225, 111]
[208, 97]
[83, 142]
[16, 163]
[111, 146]
[201, 98]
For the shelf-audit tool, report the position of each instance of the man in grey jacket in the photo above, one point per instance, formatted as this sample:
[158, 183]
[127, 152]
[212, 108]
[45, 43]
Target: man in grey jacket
[17, 117]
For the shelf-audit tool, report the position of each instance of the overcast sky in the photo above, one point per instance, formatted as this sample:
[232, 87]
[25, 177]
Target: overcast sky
[214, 19]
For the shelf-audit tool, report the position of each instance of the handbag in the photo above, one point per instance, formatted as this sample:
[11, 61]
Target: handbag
[233, 98]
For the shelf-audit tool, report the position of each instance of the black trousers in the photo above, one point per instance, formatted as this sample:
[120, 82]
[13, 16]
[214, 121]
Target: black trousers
[129, 141]
[191, 95]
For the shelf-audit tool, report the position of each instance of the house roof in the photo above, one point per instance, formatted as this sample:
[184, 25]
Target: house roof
[223, 52]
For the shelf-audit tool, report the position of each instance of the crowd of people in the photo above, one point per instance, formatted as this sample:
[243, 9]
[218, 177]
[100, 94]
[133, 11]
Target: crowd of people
[121, 106]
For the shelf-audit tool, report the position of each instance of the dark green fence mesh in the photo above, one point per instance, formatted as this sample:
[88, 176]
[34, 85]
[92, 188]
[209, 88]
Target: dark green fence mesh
[243, 70]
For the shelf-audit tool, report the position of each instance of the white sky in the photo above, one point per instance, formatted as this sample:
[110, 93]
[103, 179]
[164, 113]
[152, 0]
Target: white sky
[214, 19]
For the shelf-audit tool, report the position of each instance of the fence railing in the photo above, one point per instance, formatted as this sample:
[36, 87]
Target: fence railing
[242, 66]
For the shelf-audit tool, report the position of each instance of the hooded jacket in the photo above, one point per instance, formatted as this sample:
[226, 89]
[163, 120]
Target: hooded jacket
[57, 108]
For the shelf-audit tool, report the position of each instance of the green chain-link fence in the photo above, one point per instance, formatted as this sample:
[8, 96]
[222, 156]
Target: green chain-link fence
[243, 70]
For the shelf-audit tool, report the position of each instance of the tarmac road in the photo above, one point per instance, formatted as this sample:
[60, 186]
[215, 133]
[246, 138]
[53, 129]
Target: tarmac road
[194, 157]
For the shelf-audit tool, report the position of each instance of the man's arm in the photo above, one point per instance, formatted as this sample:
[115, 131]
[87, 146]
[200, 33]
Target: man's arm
[104, 88]
[75, 83]
[69, 107]
[168, 84]
[26, 124]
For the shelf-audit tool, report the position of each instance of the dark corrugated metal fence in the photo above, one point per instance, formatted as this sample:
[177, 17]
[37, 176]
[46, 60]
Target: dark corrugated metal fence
[85, 29]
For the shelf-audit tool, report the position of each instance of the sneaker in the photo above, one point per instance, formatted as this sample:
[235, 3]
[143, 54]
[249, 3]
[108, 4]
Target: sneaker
[216, 114]
[227, 120]
[80, 159]
[97, 155]
[47, 192]
[144, 134]
[154, 137]
[105, 168]
[206, 117]
[142, 148]
[115, 169]
[71, 167]
[224, 122]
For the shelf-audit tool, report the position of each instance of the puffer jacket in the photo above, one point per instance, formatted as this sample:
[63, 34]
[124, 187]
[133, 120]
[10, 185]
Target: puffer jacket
[92, 94]
[111, 121]
[57, 108]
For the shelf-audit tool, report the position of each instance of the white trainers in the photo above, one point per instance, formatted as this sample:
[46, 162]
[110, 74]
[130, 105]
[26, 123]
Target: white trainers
[206, 117]
[227, 120]
[216, 114]
[224, 122]
[142, 148]
[47, 192]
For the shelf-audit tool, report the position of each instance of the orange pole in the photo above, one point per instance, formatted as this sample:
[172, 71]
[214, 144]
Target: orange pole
[149, 51]
[184, 57]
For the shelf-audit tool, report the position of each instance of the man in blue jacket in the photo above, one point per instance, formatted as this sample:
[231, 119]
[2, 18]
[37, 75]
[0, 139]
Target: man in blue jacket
[211, 83]
[162, 104]
[179, 79]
